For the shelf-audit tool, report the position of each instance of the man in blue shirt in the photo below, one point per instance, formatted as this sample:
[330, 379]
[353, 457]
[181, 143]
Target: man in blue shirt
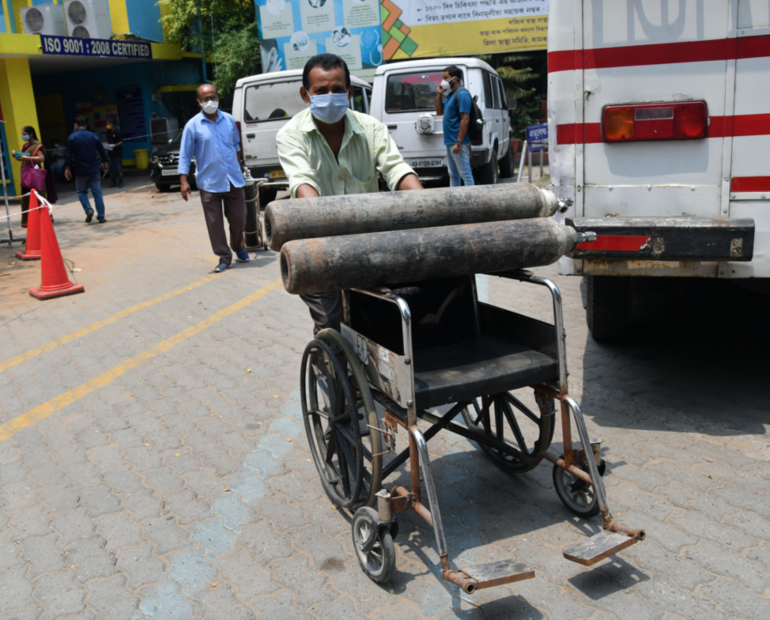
[85, 151]
[212, 138]
[455, 103]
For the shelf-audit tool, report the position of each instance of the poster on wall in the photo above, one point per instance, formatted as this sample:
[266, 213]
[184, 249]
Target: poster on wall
[131, 112]
[428, 28]
[291, 31]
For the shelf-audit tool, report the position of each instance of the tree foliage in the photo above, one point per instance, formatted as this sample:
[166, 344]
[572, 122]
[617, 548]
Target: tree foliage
[517, 76]
[236, 55]
[225, 29]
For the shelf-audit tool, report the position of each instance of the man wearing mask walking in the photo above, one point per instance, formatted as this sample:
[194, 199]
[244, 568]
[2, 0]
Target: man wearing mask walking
[86, 154]
[455, 103]
[212, 138]
[330, 150]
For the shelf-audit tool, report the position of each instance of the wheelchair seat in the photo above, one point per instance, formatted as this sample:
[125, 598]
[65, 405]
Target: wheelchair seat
[452, 360]
[477, 366]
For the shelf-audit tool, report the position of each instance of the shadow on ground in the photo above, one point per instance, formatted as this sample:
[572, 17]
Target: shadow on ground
[694, 346]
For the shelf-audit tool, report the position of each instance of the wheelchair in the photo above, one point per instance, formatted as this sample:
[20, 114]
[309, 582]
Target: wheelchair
[432, 352]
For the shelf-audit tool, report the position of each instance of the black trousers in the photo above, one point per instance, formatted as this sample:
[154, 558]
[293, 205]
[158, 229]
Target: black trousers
[325, 309]
[116, 168]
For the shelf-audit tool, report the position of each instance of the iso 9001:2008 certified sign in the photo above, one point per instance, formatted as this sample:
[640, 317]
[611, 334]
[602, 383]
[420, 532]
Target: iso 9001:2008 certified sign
[72, 46]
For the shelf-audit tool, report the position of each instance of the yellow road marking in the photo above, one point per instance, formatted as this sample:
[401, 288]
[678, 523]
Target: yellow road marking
[27, 355]
[55, 404]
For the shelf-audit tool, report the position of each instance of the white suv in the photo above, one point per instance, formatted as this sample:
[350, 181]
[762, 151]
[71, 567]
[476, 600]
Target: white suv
[404, 98]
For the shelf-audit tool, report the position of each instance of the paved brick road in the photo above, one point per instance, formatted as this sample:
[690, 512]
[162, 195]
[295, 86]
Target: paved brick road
[157, 466]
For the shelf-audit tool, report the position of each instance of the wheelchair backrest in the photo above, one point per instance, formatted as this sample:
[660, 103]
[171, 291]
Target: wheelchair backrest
[443, 313]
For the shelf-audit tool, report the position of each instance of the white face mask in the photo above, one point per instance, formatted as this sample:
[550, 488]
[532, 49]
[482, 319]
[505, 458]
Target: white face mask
[330, 108]
[209, 107]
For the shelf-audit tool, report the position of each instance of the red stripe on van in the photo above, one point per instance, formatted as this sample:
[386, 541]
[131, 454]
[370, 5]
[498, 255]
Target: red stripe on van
[750, 184]
[579, 133]
[659, 54]
[615, 243]
[739, 126]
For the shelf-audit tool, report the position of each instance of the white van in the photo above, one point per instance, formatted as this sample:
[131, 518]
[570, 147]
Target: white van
[262, 104]
[404, 98]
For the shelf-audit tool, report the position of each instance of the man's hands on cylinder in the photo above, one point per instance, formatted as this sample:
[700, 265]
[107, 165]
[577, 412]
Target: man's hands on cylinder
[410, 181]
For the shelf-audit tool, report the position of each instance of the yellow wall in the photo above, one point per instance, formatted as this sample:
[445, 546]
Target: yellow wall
[18, 5]
[119, 17]
[7, 17]
[18, 102]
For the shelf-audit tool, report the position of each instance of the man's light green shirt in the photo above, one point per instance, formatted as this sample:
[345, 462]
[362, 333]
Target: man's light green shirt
[367, 148]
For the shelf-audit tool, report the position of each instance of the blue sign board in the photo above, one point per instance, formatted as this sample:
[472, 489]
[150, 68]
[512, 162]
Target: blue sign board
[106, 48]
[131, 112]
[292, 31]
[537, 137]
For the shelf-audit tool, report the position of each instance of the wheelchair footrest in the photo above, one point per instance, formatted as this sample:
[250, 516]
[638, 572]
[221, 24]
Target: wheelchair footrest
[482, 576]
[597, 547]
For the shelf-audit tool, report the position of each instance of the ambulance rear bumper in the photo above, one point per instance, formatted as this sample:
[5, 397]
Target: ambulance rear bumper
[666, 239]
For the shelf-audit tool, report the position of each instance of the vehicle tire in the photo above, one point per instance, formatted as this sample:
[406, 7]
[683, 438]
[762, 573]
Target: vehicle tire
[576, 495]
[374, 545]
[266, 196]
[163, 187]
[608, 307]
[488, 173]
[507, 164]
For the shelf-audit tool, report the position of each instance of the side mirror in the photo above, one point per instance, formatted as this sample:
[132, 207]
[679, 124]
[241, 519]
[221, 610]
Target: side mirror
[512, 105]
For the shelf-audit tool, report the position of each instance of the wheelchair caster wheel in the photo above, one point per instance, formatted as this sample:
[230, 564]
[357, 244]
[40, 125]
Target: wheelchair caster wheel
[578, 496]
[374, 545]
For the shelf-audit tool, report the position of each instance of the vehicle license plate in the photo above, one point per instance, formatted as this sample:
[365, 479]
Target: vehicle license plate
[277, 174]
[168, 172]
[426, 163]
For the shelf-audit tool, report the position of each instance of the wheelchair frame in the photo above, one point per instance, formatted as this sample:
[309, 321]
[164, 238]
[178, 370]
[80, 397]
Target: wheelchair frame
[392, 378]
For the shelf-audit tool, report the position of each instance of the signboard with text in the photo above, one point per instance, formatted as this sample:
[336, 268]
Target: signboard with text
[430, 28]
[73, 46]
[537, 137]
[292, 31]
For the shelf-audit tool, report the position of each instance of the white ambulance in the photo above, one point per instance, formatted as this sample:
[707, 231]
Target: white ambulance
[659, 129]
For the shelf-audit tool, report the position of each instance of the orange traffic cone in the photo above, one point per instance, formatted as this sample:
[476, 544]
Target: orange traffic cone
[55, 282]
[32, 248]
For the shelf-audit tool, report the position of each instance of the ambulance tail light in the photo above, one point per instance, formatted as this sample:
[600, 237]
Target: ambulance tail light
[655, 121]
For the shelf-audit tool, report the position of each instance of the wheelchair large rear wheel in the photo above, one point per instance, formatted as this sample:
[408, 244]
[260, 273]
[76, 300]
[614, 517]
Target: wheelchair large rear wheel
[516, 425]
[339, 413]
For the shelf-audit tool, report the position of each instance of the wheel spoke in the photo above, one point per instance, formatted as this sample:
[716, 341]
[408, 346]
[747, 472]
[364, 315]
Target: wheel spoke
[515, 428]
[499, 405]
[343, 471]
[318, 412]
[345, 448]
[331, 448]
[523, 408]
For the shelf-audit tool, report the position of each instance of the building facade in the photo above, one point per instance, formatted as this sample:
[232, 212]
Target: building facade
[99, 58]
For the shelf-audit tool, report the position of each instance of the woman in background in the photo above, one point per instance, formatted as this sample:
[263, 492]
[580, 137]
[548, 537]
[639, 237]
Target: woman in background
[33, 154]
